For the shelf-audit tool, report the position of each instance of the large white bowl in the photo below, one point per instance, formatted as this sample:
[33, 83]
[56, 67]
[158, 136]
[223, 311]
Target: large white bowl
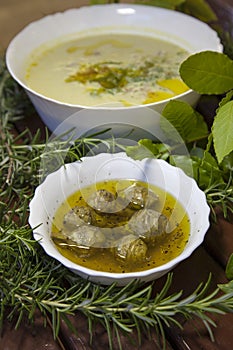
[186, 31]
[71, 177]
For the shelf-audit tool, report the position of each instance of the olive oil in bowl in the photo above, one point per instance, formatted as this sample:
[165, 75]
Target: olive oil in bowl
[120, 226]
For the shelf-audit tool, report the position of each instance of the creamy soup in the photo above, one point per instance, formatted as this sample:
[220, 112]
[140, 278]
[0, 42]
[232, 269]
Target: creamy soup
[108, 68]
[120, 226]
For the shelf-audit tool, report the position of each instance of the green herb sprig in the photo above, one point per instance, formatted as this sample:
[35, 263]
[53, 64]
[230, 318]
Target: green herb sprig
[35, 281]
[31, 280]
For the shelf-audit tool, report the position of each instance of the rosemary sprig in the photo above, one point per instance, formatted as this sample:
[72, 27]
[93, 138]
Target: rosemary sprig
[31, 280]
[35, 281]
[221, 194]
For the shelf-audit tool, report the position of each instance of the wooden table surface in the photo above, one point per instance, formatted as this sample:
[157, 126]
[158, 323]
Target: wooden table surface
[211, 256]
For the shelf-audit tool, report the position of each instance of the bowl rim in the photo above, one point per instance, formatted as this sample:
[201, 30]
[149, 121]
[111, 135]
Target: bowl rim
[50, 249]
[219, 48]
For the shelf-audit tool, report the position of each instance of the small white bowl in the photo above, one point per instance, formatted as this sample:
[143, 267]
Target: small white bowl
[181, 29]
[71, 177]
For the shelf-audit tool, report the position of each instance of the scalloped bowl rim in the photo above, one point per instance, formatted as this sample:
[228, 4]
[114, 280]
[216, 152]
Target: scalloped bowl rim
[99, 276]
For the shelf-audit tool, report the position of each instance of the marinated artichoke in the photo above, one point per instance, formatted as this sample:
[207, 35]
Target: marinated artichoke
[131, 248]
[138, 197]
[120, 227]
[84, 240]
[102, 201]
[147, 224]
[77, 216]
[87, 236]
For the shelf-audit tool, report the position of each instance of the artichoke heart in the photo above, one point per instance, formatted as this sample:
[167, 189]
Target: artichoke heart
[110, 209]
[77, 216]
[138, 197]
[131, 248]
[87, 236]
[84, 240]
[102, 201]
[147, 224]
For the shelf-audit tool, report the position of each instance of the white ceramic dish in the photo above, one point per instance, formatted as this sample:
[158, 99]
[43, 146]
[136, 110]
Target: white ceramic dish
[67, 180]
[186, 31]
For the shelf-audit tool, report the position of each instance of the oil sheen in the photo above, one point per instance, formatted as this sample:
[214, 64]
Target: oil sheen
[164, 247]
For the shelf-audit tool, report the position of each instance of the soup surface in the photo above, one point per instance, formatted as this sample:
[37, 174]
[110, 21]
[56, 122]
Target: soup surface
[106, 69]
[120, 226]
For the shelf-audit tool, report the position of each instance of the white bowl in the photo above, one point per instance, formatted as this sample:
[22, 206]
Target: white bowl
[71, 177]
[186, 31]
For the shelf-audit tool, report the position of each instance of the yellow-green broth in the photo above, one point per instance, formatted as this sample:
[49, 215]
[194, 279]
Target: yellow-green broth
[167, 246]
[107, 69]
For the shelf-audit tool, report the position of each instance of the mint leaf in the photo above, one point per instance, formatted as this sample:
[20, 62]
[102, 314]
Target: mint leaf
[227, 163]
[226, 99]
[200, 165]
[187, 122]
[205, 157]
[208, 72]
[147, 149]
[140, 151]
[205, 168]
[183, 162]
[223, 131]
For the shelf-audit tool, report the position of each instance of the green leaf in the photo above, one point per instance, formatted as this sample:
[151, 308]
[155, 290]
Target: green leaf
[205, 168]
[208, 72]
[210, 160]
[147, 149]
[226, 287]
[223, 131]
[169, 4]
[226, 98]
[199, 9]
[183, 162]
[188, 123]
[227, 163]
[210, 165]
[229, 268]
[140, 151]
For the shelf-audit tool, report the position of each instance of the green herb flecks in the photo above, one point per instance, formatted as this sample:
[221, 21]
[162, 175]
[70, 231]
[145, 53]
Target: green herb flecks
[114, 75]
[108, 76]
